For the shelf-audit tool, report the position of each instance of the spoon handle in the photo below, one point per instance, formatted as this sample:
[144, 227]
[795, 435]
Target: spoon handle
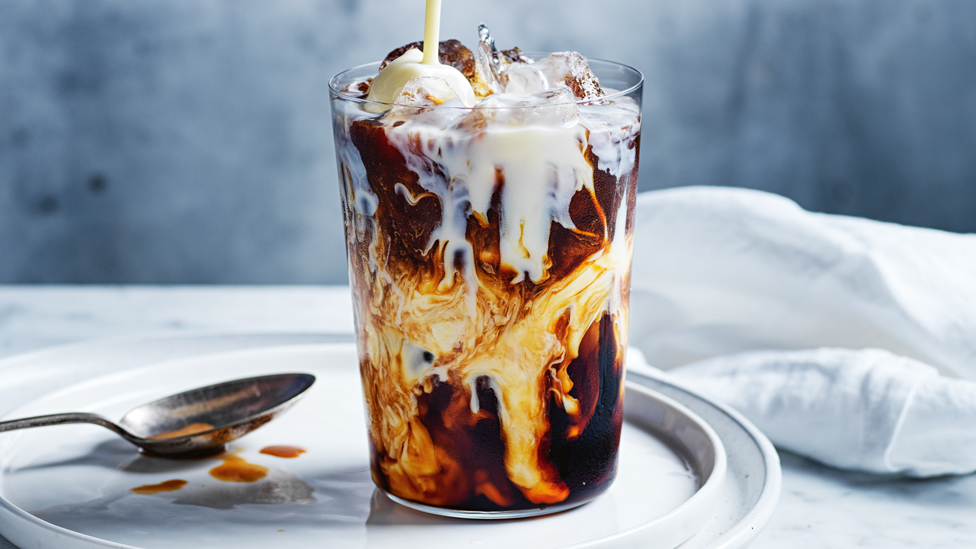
[60, 419]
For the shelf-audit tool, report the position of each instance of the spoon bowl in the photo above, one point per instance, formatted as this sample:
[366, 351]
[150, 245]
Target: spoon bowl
[196, 422]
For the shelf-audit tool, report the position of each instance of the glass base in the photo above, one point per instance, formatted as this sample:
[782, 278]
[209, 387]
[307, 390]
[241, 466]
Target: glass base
[483, 515]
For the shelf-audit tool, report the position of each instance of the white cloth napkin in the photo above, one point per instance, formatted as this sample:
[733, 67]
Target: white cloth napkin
[843, 339]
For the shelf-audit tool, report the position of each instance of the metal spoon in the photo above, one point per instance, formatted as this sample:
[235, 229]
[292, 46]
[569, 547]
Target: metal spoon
[197, 422]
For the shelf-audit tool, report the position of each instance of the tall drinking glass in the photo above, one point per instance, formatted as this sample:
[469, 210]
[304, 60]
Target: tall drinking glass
[489, 257]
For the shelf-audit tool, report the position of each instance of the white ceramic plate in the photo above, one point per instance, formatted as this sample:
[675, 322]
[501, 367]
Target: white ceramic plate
[75, 481]
[80, 478]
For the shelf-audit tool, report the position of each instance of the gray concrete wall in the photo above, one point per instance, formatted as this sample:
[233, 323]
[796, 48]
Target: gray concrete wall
[189, 140]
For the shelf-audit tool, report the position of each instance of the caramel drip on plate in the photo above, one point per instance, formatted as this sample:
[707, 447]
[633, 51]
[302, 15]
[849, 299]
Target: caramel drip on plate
[168, 486]
[237, 469]
[283, 451]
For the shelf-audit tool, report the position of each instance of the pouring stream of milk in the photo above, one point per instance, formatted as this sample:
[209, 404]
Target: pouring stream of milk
[413, 64]
[432, 32]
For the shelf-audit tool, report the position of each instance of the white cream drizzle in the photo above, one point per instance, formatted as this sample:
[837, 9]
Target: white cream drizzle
[542, 166]
[537, 144]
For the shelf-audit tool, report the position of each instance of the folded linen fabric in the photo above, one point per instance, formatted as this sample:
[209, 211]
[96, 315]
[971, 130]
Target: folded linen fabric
[828, 332]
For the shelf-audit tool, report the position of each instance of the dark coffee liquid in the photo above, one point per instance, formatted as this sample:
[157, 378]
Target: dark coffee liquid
[586, 464]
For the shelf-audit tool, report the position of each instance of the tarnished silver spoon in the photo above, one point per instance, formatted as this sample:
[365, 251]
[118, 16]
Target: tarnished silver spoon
[197, 422]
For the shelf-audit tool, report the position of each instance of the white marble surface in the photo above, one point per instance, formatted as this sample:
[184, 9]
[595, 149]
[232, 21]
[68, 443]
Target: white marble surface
[819, 507]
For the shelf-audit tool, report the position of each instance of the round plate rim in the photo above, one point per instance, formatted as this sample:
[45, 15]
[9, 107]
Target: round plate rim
[752, 523]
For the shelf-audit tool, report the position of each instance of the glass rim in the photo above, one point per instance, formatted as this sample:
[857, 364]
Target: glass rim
[333, 87]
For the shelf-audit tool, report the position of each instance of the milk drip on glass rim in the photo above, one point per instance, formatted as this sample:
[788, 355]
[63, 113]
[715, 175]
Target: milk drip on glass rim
[488, 200]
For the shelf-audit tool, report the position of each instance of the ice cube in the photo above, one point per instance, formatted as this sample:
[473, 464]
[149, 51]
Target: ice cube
[425, 91]
[550, 108]
[568, 69]
[486, 80]
[579, 77]
[527, 78]
[484, 37]
[487, 70]
[418, 98]
[491, 63]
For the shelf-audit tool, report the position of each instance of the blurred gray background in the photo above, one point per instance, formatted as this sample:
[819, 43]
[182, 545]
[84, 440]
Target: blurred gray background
[189, 141]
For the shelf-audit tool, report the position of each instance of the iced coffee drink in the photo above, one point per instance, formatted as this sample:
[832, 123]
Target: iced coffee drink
[489, 234]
